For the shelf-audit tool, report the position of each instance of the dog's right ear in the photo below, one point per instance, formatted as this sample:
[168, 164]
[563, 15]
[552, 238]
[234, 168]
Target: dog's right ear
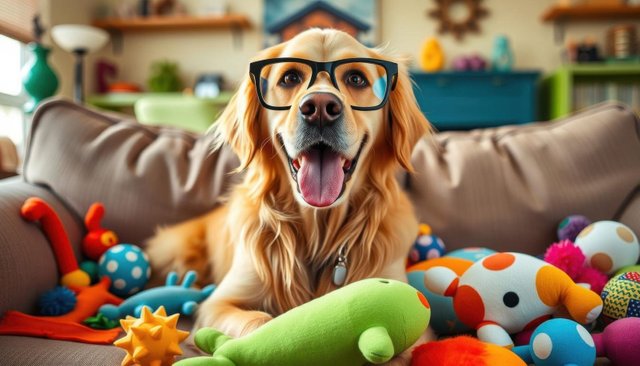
[240, 125]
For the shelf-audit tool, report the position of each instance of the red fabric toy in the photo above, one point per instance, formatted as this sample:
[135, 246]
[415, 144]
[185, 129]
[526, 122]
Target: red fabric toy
[67, 327]
[36, 209]
[98, 239]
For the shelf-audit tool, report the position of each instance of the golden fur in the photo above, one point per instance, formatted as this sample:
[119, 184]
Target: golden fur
[268, 251]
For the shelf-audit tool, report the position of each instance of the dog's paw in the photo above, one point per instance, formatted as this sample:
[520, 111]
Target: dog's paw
[255, 319]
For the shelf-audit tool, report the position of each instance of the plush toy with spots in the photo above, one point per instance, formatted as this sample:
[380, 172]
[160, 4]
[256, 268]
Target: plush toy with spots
[506, 293]
[609, 246]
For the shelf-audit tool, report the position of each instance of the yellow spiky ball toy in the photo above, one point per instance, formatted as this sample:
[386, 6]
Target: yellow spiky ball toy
[151, 340]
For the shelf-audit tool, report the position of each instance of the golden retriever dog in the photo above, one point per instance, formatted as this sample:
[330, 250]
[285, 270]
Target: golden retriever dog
[321, 125]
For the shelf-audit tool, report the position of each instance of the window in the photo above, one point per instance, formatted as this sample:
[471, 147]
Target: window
[12, 97]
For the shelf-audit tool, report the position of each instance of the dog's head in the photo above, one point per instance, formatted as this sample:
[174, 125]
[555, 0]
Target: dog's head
[331, 109]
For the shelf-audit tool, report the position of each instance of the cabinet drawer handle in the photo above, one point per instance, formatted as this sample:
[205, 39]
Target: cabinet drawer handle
[442, 82]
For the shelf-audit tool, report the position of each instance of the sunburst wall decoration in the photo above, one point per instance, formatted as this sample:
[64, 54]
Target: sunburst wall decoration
[458, 28]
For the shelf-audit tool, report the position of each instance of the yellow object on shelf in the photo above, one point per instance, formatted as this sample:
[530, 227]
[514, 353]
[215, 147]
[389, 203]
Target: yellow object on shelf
[431, 55]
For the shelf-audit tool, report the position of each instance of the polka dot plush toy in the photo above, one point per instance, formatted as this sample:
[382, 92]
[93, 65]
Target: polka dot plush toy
[621, 297]
[506, 293]
[571, 226]
[128, 268]
[559, 342]
[608, 246]
[426, 247]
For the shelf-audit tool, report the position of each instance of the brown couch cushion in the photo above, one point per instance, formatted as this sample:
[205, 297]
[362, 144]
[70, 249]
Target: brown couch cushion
[145, 176]
[508, 188]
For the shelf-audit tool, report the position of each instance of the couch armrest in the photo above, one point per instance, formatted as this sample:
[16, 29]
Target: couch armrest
[27, 264]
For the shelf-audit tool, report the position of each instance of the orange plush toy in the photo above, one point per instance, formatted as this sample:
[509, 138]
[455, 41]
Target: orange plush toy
[506, 293]
[98, 239]
[463, 351]
[36, 209]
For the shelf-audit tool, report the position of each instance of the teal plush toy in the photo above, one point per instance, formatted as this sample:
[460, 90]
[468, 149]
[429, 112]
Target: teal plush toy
[367, 321]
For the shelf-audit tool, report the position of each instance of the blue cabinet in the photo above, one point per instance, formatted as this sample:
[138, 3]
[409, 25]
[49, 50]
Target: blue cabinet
[464, 100]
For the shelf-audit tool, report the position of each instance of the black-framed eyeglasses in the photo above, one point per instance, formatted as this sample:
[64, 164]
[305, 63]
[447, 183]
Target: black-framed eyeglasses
[365, 82]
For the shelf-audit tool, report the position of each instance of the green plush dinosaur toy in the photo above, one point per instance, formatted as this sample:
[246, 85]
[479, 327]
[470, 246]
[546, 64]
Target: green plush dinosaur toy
[367, 321]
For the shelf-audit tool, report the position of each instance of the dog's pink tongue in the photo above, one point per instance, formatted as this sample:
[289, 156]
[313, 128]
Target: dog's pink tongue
[320, 177]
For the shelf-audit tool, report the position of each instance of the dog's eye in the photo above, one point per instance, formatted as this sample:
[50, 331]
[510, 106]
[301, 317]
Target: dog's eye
[355, 78]
[290, 78]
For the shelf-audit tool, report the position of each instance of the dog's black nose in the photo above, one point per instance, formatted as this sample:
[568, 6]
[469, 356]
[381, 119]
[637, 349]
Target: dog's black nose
[321, 109]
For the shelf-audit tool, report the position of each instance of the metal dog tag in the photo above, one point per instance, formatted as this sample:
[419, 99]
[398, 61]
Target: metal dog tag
[340, 272]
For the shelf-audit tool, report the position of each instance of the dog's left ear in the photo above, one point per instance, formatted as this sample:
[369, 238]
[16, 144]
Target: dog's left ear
[239, 124]
[407, 124]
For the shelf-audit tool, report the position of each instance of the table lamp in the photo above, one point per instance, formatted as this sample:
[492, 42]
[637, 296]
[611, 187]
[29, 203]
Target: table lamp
[80, 40]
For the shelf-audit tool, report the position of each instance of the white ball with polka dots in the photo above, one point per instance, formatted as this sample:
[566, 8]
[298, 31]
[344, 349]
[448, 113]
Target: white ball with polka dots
[128, 268]
[609, 245]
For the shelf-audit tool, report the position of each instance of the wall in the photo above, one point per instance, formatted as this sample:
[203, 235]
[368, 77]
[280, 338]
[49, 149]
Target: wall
[404, 26]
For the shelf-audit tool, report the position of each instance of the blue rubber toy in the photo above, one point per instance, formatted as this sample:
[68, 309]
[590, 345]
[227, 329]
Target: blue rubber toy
[175, 298]
[559, 342]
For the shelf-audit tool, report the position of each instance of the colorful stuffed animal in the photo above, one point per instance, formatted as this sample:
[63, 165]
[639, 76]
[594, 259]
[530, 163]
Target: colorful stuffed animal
[621, 297]
[620, 342]
[152, 340]
[571, 226]
[463, 351]
[174, 298]
[506, 293]
[609, 246]
[367, 321]
[98, 239]
[559, 342]
[36, 209]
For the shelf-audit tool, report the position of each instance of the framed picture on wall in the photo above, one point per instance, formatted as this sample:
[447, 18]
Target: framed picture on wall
[283, 19]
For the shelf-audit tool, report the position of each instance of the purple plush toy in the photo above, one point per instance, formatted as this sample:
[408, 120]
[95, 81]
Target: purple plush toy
[620, 342]
[571, 226]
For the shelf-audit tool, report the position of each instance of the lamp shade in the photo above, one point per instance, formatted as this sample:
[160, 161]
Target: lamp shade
[74, 37]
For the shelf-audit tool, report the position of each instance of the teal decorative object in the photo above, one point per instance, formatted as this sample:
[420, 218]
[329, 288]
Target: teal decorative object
[502, 57]
[38, 78]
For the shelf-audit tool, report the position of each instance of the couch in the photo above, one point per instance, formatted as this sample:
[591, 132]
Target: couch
[505, 188]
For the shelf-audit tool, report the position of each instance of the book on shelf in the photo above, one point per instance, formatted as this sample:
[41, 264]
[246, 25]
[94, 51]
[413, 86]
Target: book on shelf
[588, 93]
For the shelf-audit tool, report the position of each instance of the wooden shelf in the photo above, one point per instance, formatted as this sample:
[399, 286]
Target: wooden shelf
[234, 21]
[591, 12]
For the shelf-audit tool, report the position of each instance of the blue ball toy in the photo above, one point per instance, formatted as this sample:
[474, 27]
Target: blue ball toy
[559, 342]
[128, 268]
[58, 301]
[426, 247]
[473, 254]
